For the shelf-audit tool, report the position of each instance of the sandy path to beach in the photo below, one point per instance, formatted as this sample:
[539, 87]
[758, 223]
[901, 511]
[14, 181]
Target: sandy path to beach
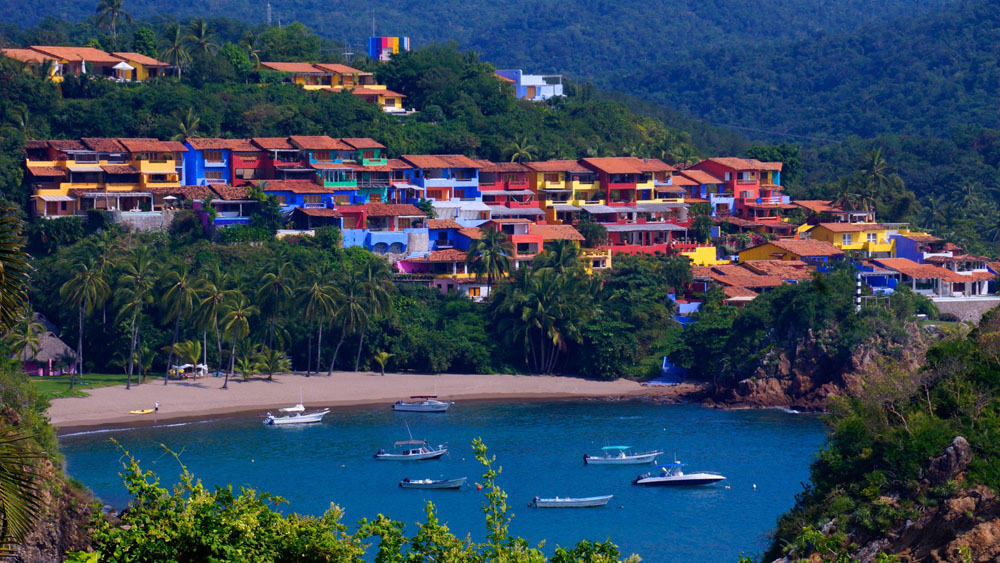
[110, 406]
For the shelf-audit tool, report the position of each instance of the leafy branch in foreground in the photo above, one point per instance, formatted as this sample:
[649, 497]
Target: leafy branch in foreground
[20, 495]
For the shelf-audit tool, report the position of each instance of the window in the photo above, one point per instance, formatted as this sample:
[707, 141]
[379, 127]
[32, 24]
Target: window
[248, 156]
[342, 199]
[729, 176]
[552, 177]
[245, 173]
[473, 292]
[321, 155]
[442, 236]
[213, 156]
[312, 198]
[368, 154]
[872, 237]
[375, 198]
[846, 239]
[213, 174]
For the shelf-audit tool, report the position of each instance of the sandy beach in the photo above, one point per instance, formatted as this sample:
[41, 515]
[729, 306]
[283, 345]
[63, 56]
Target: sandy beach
[110, 406]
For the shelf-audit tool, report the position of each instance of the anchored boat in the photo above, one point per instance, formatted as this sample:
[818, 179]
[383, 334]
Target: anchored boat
[673, 475]
[295, 418]
[620, 455]
[426, 403]
[412, 450]
[433, 483]
[569, 502]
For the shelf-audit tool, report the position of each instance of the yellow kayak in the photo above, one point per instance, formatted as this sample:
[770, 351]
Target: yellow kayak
[143, 411]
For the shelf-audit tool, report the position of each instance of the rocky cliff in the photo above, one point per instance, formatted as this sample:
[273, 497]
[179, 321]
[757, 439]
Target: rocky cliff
[64, 521]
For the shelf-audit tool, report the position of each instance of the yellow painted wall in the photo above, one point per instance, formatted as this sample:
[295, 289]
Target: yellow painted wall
[704, 256]
[767, 252]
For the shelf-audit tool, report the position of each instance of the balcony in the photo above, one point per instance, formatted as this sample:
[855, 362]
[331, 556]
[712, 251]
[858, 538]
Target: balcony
[157, 166]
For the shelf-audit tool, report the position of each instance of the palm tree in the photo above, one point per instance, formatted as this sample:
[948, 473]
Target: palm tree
[20, 483]
[250, 42]
[275, 290]
[175, 51]
[109, 12]
[376, 287]
[178, 299]
[682, 155]
[271, 362]
[875, 175]
[236, 325]
[490, 256]
[20, 117]
[188, 351]
[317, 304]
[381, 358]
[521, 150]
[85, 291]
[560, 256]
[247, 366]
[187, 126]
[14, 272]
[200, 37]
[25, 335]
[138, 280]
[352, 310]
[212, 294]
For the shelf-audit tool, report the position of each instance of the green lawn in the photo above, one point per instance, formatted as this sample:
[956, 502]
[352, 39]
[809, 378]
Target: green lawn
[57, 386]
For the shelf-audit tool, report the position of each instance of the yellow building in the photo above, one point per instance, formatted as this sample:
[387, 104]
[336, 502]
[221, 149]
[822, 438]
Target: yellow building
[702, 255]
[562, 186]
[338, 77]
[871, 238]
[811, 252]
[144, 67]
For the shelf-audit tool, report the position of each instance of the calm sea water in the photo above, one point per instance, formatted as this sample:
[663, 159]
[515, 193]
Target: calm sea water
[540, 446]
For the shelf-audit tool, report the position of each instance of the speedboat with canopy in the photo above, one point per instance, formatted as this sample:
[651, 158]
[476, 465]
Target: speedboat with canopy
[672, 475]
[620, 455]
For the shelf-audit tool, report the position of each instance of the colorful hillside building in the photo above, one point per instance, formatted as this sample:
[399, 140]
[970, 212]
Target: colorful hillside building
[337, 77]
[756, 188]
[506, 190]
[702, 187]
[143, 68]
[533, 87]
[451, 183]
[870, 238]
[812, 252]
[208, 161]
[66, 61]
[383, 48]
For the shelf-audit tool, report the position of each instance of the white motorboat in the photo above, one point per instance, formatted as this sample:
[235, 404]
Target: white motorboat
[673, 475]
[620, 455]
[569, 502]
[425, 403]
[295, 418]
[433, 483]
[412, 450]
[297, 408]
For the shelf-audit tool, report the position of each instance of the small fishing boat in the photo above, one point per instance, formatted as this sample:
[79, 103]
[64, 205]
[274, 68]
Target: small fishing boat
[620, 455]
[433, 483]
[424, 403]
[141, 411]
[412, 450]
[569, 502]
[295, 418]
[297, 408]
[673, 475]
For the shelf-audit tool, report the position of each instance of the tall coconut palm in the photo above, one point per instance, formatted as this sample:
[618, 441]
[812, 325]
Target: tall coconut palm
[351, 309]
[86, 290]
[490, 256]
[251, 42]
[317, 305]
[212, 293]
[25, 335]
[187, 126]
[521, 150]
[137, 280]
[109, 13]
[561, 256]
[175, 52]
[178, 300]
[236, 325]
[875, 176]
[200, 36]
[274, 291]
[377, 286]
[14, 271]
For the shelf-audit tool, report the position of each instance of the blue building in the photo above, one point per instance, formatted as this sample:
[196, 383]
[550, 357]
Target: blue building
[533, 87]
[306, 194]
[210, 161]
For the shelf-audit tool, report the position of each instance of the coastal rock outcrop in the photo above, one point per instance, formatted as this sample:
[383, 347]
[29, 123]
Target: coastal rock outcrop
[64, 523]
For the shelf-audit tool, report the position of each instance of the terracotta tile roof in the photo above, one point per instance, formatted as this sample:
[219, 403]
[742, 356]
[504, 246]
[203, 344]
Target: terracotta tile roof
[701, 177]
[339, 68]
[397, 164]
[504, 78]
[141, 59]
[732, 292]
[701, 272]
[443, 224]
[188, 192]
[393, 210]
[807, 247]
[474, 233]
[509, 220]
[119, 169]
[81, 191]
[210, 143]
[556, 166]
[771, 166]
[447, 255]
[318, 212]
[26, 55]
[679, 180]
[816, 205]
[850, 227]
[67, 145]
[436, 161]
[654, 165]
[784, 269]
[555, 232]
[318, 143]
[77, 54]
[921, 237]
[488, 166]
[363, 143]
[733, 162]
[103, 144]
[151, 145]
[230, 193]
[920, 271]
[46, 172]
[730, 274]
[614, 165]
[955, 258]
[273, 143]
[363, 91]
[242, 145]
[297, 68]
[29, 144]
[770, 205]
[295, 186]
[735, 221]
[371, 168]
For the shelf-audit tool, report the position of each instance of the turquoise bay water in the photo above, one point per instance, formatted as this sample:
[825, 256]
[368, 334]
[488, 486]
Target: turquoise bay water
[540, 446]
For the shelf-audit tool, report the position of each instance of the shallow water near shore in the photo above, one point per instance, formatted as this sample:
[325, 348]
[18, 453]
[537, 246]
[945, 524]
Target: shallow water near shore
[540, 446]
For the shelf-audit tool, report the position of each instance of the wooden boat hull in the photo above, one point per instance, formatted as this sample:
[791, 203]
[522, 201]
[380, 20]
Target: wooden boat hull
[433, 484]
[584, 502]
[638, 459]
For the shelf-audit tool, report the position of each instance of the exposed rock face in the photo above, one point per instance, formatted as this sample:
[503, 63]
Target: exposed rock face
[803, 377]
[64, 524]
[951, 463]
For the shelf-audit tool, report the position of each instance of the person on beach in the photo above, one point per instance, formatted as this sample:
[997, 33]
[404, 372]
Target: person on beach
[156, 407]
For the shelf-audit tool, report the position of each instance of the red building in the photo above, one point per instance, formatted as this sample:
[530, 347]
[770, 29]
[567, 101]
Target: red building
[506, 189]
[755, 185]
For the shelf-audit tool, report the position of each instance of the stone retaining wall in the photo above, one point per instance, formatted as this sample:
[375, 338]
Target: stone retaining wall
[967, 309]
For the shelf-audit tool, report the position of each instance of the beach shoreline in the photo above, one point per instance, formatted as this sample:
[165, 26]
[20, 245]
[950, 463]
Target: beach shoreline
[108, 408]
